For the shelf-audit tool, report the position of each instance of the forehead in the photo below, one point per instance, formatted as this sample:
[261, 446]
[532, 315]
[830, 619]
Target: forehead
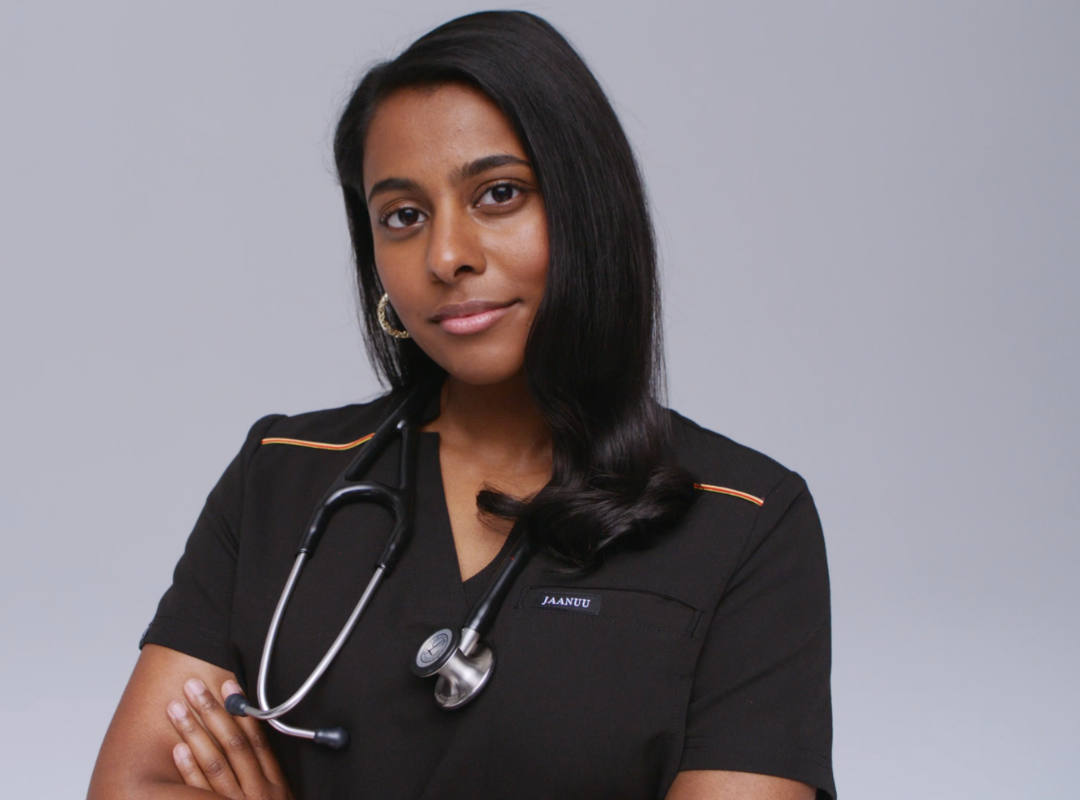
[420, 130]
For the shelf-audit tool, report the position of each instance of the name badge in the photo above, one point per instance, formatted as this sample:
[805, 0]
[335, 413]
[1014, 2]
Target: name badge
[564, 600]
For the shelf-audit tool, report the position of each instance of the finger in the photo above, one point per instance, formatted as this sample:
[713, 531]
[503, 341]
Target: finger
[189, 770]
[233, 740]
[213, 764]
[256, 735]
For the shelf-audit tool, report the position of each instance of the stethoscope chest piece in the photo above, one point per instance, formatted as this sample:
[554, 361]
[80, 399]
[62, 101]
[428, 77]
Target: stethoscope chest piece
[463, 663]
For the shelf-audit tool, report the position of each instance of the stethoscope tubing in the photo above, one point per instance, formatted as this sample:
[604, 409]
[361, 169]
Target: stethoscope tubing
[265, 712]
[346, 489]
[461, 661]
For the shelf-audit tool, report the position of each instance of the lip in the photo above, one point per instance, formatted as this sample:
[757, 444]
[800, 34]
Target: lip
[473, 316]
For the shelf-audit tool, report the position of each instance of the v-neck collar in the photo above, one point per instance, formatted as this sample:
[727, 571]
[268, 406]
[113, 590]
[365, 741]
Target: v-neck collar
[439, 517]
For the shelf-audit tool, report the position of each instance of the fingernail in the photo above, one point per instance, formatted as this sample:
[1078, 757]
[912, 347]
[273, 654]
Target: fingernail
[230, 687]
[193, 687]
[182, 754]
[177, 710]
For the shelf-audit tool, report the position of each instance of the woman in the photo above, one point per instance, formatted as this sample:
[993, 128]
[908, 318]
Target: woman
[670, 636]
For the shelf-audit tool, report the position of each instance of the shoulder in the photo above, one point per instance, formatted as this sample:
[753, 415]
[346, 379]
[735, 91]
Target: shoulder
[328, 430]
[740, 496]
[334, 429]
[723, 466]
[308, 441]
[292, 458]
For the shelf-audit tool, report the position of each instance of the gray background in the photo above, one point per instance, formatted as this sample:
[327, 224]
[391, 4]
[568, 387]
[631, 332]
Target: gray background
[868, 220]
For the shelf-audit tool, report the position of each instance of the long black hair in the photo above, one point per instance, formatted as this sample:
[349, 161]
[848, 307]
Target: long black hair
[593, 357]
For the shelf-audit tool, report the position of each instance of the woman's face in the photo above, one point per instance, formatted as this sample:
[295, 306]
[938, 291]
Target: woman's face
[458, 226]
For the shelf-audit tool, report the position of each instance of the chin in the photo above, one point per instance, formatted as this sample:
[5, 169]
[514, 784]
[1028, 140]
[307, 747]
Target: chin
[489, 364]
[482, 370]
[484, 375]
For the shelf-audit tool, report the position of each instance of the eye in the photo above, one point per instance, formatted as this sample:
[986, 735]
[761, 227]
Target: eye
[499, 194]
[402, 218]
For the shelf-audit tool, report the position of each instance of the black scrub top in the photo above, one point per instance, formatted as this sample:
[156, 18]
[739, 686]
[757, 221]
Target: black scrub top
[708, 650]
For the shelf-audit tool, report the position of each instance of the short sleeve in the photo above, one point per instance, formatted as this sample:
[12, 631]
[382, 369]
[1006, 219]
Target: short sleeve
[193, 615]
[761, 699]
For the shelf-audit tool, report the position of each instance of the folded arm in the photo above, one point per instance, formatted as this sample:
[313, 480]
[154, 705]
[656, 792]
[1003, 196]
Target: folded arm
[170, 737]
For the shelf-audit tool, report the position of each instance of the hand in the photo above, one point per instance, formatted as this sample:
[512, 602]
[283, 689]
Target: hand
[224, 754]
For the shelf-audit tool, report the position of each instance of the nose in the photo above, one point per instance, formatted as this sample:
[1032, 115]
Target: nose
[453, 247]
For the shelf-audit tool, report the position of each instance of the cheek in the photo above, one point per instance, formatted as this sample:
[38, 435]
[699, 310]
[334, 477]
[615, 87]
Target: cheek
[396, 269]
[393, 260]
[528, 251]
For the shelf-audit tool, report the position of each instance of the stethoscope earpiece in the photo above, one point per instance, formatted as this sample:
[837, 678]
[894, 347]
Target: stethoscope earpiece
[334, 738]
[236, 705]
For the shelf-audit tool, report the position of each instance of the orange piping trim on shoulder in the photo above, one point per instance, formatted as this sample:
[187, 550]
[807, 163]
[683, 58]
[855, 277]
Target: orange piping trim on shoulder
[708, 487]
[317, 445]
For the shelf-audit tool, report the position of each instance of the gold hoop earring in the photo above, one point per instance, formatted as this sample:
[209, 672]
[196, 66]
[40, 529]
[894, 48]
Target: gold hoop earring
[384, 323]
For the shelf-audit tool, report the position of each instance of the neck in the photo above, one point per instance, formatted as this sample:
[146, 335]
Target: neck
[500, 422]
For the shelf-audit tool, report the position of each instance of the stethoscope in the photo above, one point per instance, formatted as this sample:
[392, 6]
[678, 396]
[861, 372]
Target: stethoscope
[460, 659]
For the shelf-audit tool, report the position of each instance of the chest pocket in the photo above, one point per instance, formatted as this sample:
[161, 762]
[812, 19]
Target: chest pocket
[633, 610]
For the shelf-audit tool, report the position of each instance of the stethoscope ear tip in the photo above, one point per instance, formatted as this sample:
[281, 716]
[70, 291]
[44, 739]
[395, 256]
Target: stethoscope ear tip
[236, 705]
[334, 738]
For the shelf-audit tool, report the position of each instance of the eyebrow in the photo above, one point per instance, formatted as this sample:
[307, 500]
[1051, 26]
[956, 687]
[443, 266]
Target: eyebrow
[481, 165]
[392, 184]
[470, 170]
